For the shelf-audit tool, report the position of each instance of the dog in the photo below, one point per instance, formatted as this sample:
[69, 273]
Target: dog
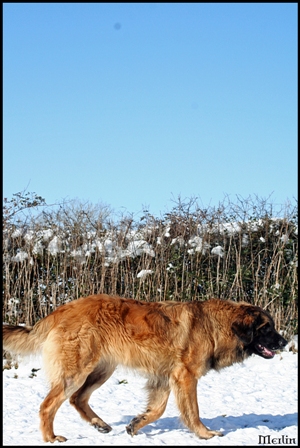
[172, 343]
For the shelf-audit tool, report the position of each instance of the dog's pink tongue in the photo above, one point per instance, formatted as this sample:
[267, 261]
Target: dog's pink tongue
[268, 352]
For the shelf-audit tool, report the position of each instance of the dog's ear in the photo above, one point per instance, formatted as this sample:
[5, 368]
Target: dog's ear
[245, 323]
[243, 332]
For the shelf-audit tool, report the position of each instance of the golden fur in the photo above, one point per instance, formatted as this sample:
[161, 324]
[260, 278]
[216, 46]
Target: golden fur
[172, 343]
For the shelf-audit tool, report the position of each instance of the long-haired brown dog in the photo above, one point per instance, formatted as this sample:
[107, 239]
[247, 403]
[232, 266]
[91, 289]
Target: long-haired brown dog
[172, 343]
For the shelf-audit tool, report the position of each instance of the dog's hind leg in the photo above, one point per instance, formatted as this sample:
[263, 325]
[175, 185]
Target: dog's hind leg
[159, 391]
[80, 398]
[48, 409]
[59, 392]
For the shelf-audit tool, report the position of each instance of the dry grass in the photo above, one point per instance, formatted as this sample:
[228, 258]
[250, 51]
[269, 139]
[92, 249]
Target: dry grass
[238, 250]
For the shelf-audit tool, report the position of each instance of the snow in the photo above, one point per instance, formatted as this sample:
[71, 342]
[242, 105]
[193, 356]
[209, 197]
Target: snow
[251, 403]
[144, 272]
[218, 250]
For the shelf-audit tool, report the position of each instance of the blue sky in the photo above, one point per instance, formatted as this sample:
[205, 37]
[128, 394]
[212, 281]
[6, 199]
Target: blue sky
[136, 104]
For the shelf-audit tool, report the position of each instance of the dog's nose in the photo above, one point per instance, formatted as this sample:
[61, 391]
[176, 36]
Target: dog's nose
[282, 342]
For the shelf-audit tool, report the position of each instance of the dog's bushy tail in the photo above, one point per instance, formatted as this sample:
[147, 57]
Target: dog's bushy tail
[25, 340]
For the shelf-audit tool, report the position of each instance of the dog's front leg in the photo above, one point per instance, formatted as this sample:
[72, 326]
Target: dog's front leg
[184, 386]
[159, 391]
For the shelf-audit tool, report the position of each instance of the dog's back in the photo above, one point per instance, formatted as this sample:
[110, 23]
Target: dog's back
[117, 330]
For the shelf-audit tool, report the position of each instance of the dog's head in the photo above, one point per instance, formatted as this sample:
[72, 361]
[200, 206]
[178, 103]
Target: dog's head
[256, 330]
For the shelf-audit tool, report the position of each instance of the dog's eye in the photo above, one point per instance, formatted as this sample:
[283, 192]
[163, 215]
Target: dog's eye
[266, 328]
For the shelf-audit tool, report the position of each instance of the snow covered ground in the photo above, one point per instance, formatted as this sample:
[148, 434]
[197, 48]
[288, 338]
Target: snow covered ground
[251, 403]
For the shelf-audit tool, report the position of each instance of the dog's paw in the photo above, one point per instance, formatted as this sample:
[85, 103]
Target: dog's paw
[208, 434]
[101, 426]
[104, 429]
[130, 430]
